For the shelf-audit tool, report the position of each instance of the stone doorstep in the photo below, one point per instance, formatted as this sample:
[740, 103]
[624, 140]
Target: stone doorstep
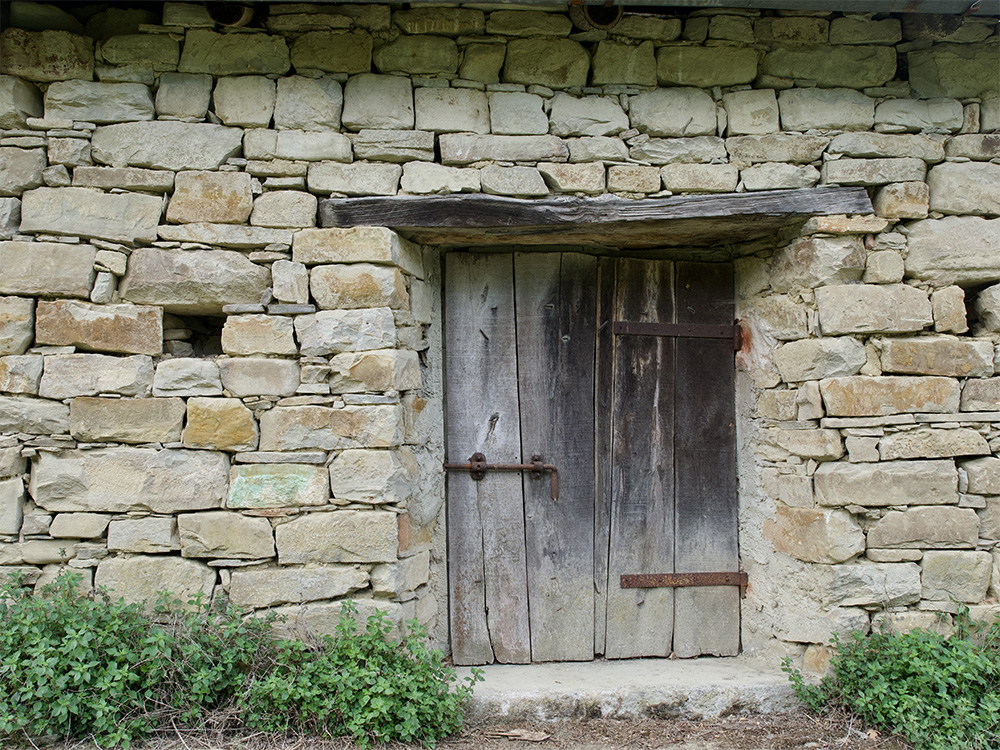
[702, 688]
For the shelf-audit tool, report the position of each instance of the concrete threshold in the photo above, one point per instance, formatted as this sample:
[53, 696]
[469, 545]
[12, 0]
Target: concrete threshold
[699, 688]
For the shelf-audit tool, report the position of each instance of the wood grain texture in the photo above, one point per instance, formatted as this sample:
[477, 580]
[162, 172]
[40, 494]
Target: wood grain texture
[556, 299]
[707, 619]
[486, 553]
[640, 621]
[603, 425]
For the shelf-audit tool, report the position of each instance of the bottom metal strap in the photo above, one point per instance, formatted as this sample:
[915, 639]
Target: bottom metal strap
[664, 580]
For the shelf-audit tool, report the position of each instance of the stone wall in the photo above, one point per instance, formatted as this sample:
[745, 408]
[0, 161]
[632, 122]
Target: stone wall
[201, 390]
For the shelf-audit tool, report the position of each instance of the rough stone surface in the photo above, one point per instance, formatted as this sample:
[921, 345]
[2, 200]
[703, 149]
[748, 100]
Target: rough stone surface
[206, 51]
[19, 100]
[860, 396]
[333, 51]
[378, 101]
[981, 395]
[933, 115]
[812, 359]
[886, 484]
[50, 55]
[394, 145]
[958, 70]
[359, 178]
[126, 329]
[873, 171]
[314, 620]
[815, 261]
[815, 535]
[373, 371]
[696, 150]
[128, 178]
[222, 197]
[451, 110]
[889, 308]
[423, 178]
[76, 211]
[98, 102]
[79, 525]
[20, 373]
[955, 576]
[933, 444]
[976, 147]
[163, 144]
[673, 112]
[139, 579]
[820, 445]
[874, 584]
[225, 535]
[629, 178]
[903, 200]
[881, 145]
[126, 420]
[955, 249]
[247, 335]
[419, 55]
[573, 178]
[11, 505]
[357, 245]
[299, 427]
[338, 537]
[704, 67]
[277, 486]
[826, 109]
[983, 475]
[596, 148]
[524, 182]
[457, 148]
[223, 424]
[20, 170]
[151, 535]
[858, 30]
[332, 331]
[589, 116]
[72, 375]
[699, 178]
[183, 95]
[266, 588]
[246, 101]
[617, 63]
[308, 104]
[248, 376]
[185, 376]
[851, 66]
[17, 324]
[779, 147]
[358, 285]
[284, 208]
[779, 177]
[376, 477]
[965, 188]
[556, 63]
[930, 527]
[118, 480]
[194, 282]
[940, 355]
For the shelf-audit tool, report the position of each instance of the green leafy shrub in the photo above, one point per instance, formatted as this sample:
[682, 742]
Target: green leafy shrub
[939, 692]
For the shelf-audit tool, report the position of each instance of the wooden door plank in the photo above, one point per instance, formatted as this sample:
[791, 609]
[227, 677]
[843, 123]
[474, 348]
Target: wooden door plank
[707, 619]
[555, 295]
[486, 554]
[639, 621]
[604, 403]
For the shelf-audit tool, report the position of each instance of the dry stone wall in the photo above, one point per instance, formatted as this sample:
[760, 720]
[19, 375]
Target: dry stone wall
[202, 390]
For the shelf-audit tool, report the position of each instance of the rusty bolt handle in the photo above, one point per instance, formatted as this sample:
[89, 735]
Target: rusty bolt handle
[477, 468]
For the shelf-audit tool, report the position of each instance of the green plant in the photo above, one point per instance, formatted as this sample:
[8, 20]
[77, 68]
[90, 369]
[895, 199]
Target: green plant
[939, 692]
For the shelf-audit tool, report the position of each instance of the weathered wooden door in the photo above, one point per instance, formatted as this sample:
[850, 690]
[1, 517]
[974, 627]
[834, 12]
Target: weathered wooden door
[641, 430]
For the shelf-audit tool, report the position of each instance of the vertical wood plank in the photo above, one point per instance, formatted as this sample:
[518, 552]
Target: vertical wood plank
[486, 554]
[555, 296]
[604, 401]
[707, 619]
[639, 621]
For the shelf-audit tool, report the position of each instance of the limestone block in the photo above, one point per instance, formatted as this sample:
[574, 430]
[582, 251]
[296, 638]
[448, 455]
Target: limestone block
[139, 579]
[403, 576]
[452, 22]
[126, 420]
[792, 30]
[20, 373]
[974, 146]
[376, 477]
[697, 150]
[380, 370]
[266, 588]
[17, 324]
[423, 178]
[525, 182]
[932, 444]
[699, 178]
[359, 285]
[46, 268]
[517, 113]
[859, 30]
[780, 316]
[779, 147]
[153, 534]
[955, 249]
[338, 537]
[20, 170]
[589, 116]
[156, 51]
[457, 148]
[79, 525]
[956, 576]
[332, 331]
[10, 217]
[820, 445]
[597, 148]
[187, 377]
[779, 176]
[933, 115]
[333, 51]
[640, 26]
[247, 335]
[284, 208]
[926, 527]
[118, 480]
[874, 584]
[816, 261]
[880, 145]
[259, 377]
[165, 144]
[630, 178]
[290, 282]
[981, 395]
[219, 424]
[19, 100]
[989, 519]
[357, 245]
[451, 110]
[905, 622]
[206, 51]
[299, 427]
[673, 112]
[183, 95]
[987, 307]
[222, 197]
[246, 101]
[989, 114]
[394, 145]
[308, 104]
[958, 70]
[11, 505]
[33, 416]
[71, 375]
[887, 308]
[225, 535]
[814, 625]
[359, 178]
[704, 67]
[314, 620]
[938, 355]
[948, 306]
[127, 178]
[624, 64]
[555, 63]
[123, 217]
[11, 463]
[873, 171]
[305, 145]
[850, 66]
[860, 396]
[903, 200]
[751, 112]
[192, 282]
[418, 55]
[66, 152]
[378, 101]
[127, 329]
[826, 109]
[813, 359]
[49, 55]
[277, 486]
[98, 102]
[524, 23]
[482, 62]
[965, 188]
[573, 178]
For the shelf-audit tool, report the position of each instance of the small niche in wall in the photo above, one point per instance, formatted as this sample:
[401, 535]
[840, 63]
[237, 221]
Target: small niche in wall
[192, 335]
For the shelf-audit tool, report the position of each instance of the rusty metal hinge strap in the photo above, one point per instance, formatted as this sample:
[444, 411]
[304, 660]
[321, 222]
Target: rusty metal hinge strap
[675, 580]
[681, 330]
[477, 468]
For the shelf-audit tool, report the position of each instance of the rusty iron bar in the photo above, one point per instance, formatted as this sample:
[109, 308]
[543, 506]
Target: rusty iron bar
[681, 330]
[672, 580]
[477, 468]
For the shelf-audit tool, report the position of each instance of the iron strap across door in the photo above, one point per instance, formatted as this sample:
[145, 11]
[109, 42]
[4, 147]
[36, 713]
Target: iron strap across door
[681, 330]
[477, 468]
[676, 580]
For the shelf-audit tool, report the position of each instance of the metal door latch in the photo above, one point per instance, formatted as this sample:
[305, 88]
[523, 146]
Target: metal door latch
[477, 468]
